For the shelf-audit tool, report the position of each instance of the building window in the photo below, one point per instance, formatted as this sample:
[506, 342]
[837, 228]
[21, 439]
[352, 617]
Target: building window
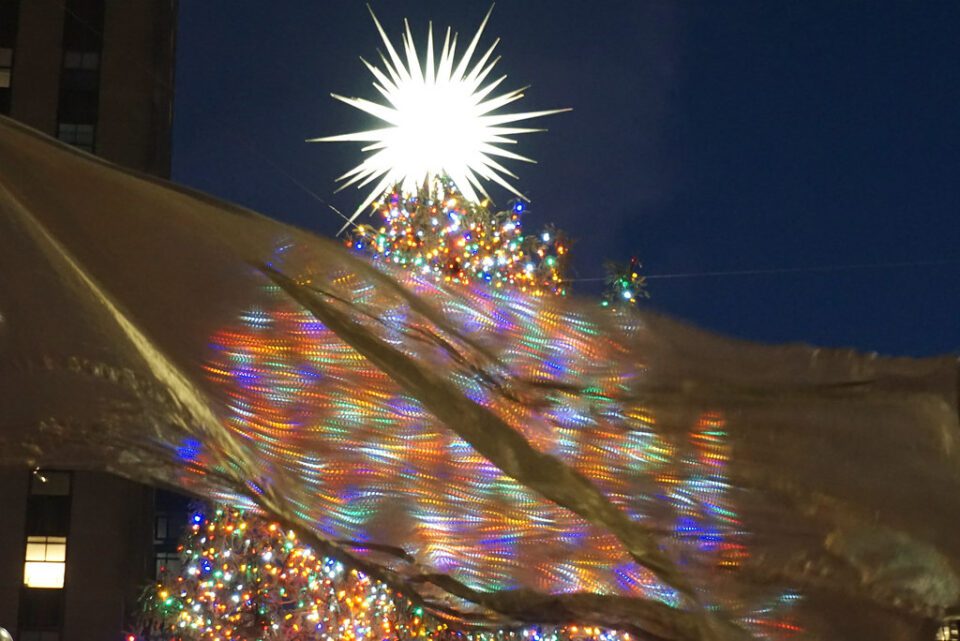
[79, 103]
[161, 529]
[39, 635]
[171, 513]
[45, 561]
[82, 60]
[48, 505]
[44, 567]
[78, 135]
[82, 24]
[949, 629]
[47, 483]
[41, 611]
[168, 563]
[9, 18]
[6, 67]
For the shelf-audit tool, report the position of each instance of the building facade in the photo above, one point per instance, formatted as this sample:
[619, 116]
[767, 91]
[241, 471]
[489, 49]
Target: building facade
[77, 547]
[97, 74]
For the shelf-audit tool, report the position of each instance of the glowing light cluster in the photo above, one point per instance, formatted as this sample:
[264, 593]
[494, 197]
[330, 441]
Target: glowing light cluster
[625, 285]
[375, 466]
[439, 120]
[440, 233]
[245, 578]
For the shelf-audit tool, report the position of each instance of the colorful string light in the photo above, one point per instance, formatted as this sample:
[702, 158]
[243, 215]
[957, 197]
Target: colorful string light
[245, 578]
[375, 467]
[438, 232]
[625, 285]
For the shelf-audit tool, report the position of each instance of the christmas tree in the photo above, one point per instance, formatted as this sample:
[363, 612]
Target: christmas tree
[246, 578]
[243, 577]
[440, 233]
[442, 135]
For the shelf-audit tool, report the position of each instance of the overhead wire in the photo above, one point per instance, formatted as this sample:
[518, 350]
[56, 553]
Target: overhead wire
[787, 270]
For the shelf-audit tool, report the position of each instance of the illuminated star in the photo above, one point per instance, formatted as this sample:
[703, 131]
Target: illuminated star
[439, 121]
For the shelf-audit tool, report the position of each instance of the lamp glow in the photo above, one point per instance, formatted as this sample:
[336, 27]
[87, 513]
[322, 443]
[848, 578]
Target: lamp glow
[43, 574]
[439, 121]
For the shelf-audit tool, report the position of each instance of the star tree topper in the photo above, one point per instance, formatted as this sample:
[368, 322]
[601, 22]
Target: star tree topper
[440, 120]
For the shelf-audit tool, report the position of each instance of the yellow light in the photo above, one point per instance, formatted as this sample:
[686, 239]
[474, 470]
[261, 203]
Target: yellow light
[43, 574]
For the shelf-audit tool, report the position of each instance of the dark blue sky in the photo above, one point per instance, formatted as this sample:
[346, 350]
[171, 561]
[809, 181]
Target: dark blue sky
[706, 136]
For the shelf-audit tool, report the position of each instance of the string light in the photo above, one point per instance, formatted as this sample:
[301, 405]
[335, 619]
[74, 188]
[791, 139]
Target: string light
[250, 580]
[625, 285]
[374, 465]
[440, 233]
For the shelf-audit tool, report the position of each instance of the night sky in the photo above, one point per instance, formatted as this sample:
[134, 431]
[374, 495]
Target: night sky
[705, 137]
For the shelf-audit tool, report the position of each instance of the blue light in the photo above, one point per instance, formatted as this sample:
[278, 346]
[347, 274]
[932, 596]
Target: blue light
[189, 450]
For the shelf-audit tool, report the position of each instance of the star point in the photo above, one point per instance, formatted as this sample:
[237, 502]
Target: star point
[439, 120]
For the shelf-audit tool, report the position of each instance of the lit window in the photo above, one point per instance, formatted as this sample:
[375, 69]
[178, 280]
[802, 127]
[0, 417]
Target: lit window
[949, 629]
[45, 561]
[6, 64]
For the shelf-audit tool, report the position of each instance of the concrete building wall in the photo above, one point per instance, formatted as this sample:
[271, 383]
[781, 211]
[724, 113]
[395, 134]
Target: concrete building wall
[37, 60]
[108, 555]
[136, 85]
[136, 81]
[13, 509]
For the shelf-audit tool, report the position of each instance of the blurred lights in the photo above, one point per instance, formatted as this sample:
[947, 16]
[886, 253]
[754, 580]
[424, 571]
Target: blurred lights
[436, 232]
